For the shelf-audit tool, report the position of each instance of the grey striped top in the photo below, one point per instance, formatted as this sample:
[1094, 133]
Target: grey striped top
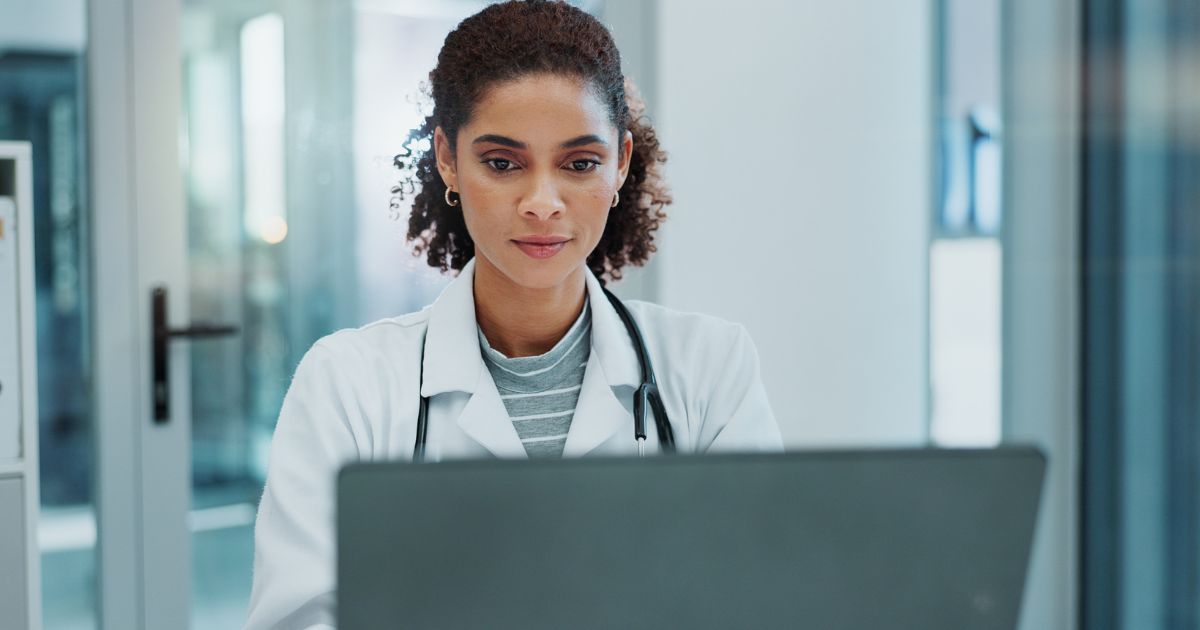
[540, 392]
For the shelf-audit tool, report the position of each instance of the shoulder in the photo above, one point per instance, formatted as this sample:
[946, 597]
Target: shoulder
[356, 368]
[384, 337]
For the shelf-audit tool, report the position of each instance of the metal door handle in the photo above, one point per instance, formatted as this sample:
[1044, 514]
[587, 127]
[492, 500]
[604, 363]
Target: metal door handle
[163, 334]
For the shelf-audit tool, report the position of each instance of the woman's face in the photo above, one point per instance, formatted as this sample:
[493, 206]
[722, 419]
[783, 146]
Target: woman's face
[539, 162]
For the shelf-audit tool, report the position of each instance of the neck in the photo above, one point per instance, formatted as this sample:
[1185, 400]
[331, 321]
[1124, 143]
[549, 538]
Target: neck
[523, 322]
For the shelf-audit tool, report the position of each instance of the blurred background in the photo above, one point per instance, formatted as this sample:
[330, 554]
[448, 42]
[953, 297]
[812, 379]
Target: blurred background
[944, 222]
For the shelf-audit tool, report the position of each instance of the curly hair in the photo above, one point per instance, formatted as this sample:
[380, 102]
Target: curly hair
[507, 41]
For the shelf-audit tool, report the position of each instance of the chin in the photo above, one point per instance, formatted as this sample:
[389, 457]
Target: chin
[540, 274]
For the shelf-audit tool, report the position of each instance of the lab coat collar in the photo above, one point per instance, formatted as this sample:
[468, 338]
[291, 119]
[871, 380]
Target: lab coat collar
[453, 362]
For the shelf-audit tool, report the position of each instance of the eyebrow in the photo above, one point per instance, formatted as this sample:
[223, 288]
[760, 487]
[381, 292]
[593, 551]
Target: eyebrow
[517, 144]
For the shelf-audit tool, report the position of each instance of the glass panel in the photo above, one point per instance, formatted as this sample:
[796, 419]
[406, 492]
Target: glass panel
[293, 113]
[1141, 532]
[42, 100]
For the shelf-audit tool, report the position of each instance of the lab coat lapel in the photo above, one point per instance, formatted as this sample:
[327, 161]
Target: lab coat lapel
[612, 369]
[598, 414]
[452, 362]
[485, 419]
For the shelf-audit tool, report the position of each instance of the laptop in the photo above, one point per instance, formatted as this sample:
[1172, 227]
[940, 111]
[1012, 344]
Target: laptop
[931, 539]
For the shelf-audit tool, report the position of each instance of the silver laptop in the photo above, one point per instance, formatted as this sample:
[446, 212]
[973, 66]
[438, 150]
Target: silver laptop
[931, 539]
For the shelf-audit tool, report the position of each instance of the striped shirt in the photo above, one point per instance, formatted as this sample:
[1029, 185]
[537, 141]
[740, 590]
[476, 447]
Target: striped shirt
[540, 392]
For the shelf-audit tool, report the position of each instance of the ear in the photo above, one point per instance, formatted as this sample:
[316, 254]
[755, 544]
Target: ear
[626, 153]
[446, 164]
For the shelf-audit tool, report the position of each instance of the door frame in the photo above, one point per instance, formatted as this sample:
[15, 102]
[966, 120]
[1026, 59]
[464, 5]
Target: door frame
[138, 242]
[1040, 62]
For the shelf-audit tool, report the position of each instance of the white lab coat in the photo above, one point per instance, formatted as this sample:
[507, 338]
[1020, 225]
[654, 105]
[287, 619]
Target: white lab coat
[354, 397]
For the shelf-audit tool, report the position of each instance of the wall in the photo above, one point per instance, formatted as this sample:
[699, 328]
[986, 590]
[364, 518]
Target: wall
[800, 142]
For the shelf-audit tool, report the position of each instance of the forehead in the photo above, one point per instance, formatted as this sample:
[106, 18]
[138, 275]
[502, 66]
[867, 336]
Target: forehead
[537, 107]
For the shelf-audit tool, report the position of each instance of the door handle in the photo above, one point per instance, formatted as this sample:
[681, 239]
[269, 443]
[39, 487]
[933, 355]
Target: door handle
[163, 334]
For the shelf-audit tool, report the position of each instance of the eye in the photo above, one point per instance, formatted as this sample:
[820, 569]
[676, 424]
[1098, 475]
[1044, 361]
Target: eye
[499, 164]
[583, 166]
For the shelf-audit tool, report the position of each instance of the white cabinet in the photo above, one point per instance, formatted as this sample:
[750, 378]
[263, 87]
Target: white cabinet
[20, 592]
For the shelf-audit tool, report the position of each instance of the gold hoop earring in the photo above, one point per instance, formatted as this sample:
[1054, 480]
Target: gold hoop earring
[616, 199]
[448, 201]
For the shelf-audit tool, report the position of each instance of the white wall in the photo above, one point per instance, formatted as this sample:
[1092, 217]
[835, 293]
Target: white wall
[800, 138]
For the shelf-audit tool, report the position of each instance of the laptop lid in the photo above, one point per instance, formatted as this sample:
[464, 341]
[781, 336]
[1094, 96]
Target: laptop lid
[927, 539]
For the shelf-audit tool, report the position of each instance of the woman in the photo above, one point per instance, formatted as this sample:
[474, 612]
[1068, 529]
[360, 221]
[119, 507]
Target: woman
[542, 184]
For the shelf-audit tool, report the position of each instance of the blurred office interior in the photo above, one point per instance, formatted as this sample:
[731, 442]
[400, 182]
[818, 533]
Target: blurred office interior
[956, 223]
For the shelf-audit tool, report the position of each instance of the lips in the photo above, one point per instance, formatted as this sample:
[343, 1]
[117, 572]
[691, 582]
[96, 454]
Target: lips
[535, 239]
[541, 247]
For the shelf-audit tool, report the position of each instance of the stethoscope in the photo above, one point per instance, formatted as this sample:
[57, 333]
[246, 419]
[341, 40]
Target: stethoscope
[647, 393]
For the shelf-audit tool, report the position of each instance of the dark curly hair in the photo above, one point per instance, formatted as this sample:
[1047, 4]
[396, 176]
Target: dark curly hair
[507, 41]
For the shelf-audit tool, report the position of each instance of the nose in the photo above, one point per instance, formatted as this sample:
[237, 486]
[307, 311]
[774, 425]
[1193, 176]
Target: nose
[541, 200]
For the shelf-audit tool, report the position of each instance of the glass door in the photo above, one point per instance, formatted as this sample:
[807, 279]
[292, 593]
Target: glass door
[293, 111]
